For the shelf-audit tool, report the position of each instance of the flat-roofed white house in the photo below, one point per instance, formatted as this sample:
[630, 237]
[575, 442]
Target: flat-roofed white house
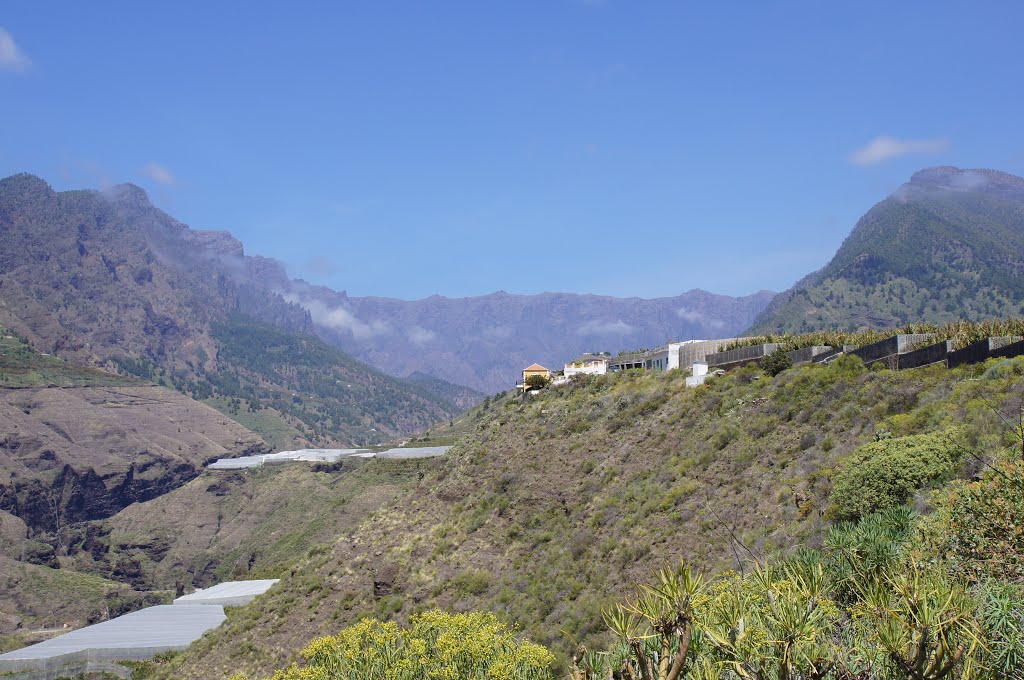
[589, 364]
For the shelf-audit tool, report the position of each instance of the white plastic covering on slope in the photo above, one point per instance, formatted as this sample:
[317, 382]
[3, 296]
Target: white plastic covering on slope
[324, 456]
[232, 593]
[135, 636]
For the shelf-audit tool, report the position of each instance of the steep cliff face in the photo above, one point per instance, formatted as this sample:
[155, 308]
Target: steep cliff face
[97, 276]
[70, 454]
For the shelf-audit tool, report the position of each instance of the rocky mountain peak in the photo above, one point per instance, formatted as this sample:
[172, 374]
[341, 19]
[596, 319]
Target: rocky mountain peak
[129, 196]
[216, 241]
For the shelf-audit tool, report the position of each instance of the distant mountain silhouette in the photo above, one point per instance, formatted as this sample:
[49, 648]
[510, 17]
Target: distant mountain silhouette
[486, 341]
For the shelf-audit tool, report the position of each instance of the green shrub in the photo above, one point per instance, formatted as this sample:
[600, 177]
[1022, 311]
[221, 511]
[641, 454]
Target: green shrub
[985, 534]
[847, 366]
[435, 645]
[886, 473]
[775, 363]
[471, 582]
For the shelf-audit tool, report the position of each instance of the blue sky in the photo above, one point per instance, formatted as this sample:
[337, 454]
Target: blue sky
[405, 149]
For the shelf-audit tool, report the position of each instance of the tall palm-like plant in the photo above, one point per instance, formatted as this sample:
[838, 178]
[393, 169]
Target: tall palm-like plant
[657, 626]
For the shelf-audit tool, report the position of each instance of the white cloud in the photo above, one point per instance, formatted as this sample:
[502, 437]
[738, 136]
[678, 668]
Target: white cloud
[694, 316]
[159, 174]
[881, 149]
[11, 58]
[689, 315]
[421, 336]
[599, 327]
[339, 318]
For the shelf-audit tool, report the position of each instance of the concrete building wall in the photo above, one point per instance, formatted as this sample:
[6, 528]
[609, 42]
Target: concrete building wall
[887, 351]
[698, 374]
[689, 352]
[1014, 349]
[656, 360]
[924, 356]
[805, 354]
[738, 357]
[977, 352]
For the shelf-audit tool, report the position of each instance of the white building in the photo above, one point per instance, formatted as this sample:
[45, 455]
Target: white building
[590, 364]
[700, 374]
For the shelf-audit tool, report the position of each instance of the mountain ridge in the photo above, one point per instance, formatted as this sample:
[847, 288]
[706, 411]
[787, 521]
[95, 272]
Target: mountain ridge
[481, 342]
[946, 245]
[485, 341]
[105, 279]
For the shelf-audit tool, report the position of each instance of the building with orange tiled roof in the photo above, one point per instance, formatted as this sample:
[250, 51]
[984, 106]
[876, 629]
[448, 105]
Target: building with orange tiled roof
[534, 369]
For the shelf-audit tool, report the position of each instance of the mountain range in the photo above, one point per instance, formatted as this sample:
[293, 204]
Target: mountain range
[486, 341]
[106, 278]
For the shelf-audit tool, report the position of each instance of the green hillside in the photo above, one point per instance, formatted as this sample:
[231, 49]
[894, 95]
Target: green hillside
[295, 389]
[948, 245]
[550, 510]
[21, 366]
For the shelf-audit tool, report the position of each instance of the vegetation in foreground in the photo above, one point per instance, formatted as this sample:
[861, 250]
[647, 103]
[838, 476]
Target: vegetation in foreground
[435, 645]
[551, 507]
[893, 595]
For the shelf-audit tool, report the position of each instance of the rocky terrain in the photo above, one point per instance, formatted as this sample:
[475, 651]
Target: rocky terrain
[80, 443]
[77, 453]
[237, 524]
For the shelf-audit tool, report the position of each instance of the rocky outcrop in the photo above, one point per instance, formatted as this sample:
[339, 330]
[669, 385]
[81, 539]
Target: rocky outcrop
[68, 455]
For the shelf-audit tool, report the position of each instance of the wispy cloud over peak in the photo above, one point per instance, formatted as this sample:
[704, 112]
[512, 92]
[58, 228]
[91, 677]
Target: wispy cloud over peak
[339, 318]
[159, 174]
[881, 149]
[606, 328]
[690, 315]
[421, 336]
[11, 57]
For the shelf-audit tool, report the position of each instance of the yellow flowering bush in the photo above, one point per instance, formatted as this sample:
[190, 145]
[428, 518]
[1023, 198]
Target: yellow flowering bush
[435, 646]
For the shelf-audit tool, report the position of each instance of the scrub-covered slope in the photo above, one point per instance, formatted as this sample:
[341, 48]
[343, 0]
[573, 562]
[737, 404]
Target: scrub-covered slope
[549, 509]
[229, 524]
